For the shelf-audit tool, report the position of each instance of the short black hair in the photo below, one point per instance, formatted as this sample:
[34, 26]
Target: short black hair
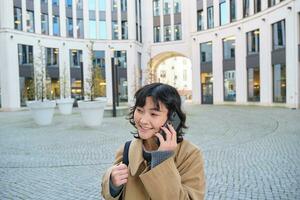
[165, 94]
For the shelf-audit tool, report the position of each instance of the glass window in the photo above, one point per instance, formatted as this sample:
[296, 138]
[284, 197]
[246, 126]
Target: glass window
[52, 57]
[102, 31]
[99, 62]
[278, 30]
[156, 33]
[18, 18]
[30, 21]
[55, 2]
[177, 6]
[210, 17]
[271, 3]
[69, 3]
[69, 22]
[79, 4]
[76, 58]
[79, 28]
[25, 54]
[223, 13]
[253, 42]
[124, 5]
[257, 6]
[253, 84]
[56, 31]
[124, 30]
[44, 1]
[279, 83]
[121, 63]
[156, 6]
[177, 32]
[166, 4]
[114, 6]
[246, 5]
[92, 26]
[228, 48]
[206, 52]
[167, 33]
[102, 5]
[115, 35]
[92, 4]
[229, 85]
[44, 24]
[232, 11]
[200, 24]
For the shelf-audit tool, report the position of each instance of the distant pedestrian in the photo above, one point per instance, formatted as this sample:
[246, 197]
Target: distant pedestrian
[162, 164]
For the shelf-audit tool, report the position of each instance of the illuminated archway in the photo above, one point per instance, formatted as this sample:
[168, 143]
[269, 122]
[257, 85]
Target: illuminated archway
[174, 69]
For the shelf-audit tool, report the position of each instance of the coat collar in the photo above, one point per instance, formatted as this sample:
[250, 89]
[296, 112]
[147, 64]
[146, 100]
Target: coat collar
[135, 155]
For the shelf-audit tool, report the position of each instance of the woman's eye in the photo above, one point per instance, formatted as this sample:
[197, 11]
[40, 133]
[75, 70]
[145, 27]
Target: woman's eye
[154, 114]
[139, 110]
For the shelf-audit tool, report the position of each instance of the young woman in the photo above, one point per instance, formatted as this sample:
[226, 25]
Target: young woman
[160, 168]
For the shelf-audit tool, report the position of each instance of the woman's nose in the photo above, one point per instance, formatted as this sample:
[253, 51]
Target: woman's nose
[144, 119]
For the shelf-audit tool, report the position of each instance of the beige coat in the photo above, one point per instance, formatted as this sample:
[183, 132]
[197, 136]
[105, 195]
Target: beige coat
[180, 177]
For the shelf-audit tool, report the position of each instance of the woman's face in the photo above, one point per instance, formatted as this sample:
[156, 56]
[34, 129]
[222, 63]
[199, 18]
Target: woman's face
[149, 119]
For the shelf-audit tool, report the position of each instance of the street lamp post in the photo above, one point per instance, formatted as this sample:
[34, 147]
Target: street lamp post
[114, 77]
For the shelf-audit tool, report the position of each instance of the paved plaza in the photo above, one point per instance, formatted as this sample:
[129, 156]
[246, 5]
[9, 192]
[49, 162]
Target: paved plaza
[250, 153]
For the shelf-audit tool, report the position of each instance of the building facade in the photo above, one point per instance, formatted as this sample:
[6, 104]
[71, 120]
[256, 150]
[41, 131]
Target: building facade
[241, 51]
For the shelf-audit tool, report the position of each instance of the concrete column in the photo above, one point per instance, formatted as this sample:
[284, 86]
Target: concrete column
[217, 66]
[216, 13]
[9, 72]
[131, 19]
[74, 12]
[239, 9]
[251, 8]
[108, 20]
[86, 62]
[266, 89]
[37, 17]
[191, 5]
[196, 82]
[205, 14]
[240, 68]
[50, 17]
[7, 14]
[264, 4]
[64, 68]
[86, 18]
[119, 20]
[62, 18]
[292, 62]
[131, 71]
[97, 20]
[108, 73]
[24, 15]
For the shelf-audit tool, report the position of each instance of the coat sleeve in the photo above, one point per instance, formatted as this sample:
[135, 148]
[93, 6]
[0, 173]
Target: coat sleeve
[106, 177]
[184, 182]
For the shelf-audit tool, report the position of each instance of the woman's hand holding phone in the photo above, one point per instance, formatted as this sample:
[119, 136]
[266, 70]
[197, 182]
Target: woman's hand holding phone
[119, 174]
[170, 143]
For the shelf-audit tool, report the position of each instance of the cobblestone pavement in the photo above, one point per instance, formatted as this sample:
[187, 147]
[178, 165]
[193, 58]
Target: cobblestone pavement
[250, 153]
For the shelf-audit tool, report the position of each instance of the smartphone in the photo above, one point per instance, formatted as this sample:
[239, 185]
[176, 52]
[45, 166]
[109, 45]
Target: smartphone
[174, 120]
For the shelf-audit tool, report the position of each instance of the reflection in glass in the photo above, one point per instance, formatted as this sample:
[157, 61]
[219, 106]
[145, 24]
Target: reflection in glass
[206, 52]
[229, 48]
[167, 7]
[229, 85]
[92, 26]
[177, 6]
[18, 18]
[156, 33]
[56, 31]
[69, 23]
[30, 21]
[253, 42]
[99, 62]
[232, 11]
[79, 28]
[223, 13]
[210, 17]
[279, 83]
[177, 32]
[167, 33]
[278, 33]
[102, 31]
[200, 24]
[207, 88]
[156, 6]
[253, 84]
[44, 24]
[124, 25]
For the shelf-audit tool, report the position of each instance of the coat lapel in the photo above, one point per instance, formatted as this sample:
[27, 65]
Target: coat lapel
[135, 156]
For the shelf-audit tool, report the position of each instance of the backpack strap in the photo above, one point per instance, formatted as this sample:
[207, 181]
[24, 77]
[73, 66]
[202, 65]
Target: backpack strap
[125, 153]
